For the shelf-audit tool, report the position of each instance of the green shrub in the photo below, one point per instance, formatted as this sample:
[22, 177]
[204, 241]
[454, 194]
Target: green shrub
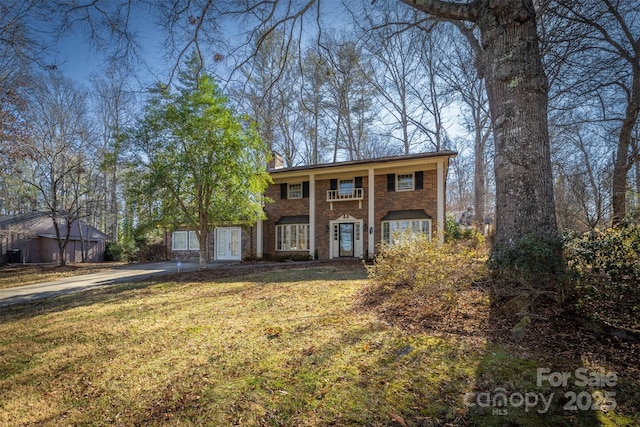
[151, 252]
[453, 232]
[112, 251]
[534, 260]
[604, 269]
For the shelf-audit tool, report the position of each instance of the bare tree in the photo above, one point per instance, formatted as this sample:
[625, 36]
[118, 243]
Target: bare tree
[57, 165]
[583, 178]
[469, 89]
[397, 43]
[350, 100]
[113, 106]
[312, 98]
[269, 92]
[610, 56]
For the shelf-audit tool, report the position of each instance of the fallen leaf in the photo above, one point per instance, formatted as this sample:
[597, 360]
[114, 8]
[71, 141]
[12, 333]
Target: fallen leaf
[397, 418]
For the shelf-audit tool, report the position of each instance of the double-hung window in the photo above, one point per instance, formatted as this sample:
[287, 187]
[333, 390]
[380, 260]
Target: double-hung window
[404, 182]
[295, 191]
[346, 187]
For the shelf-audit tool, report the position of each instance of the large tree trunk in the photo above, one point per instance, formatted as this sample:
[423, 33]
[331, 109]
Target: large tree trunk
[518, 94]
[526, 231]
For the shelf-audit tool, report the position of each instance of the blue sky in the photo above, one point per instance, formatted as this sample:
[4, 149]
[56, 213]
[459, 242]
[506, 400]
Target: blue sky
[77, 58]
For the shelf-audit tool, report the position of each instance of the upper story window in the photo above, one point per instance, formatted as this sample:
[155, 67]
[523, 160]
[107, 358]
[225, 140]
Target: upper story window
[295, 191]
[404, 182]
[298, 190]
[346, 187]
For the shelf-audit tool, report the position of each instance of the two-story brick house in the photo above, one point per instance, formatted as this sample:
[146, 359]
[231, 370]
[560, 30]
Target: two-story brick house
[341, 209]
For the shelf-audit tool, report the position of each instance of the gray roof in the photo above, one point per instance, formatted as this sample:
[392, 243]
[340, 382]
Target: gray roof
[447, 153]
[296, 219]
[9, 220]
[406, 214]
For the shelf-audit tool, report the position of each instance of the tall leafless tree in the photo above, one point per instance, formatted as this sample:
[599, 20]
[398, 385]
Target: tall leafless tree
[113, 109]
[57, 165]
[611, 58]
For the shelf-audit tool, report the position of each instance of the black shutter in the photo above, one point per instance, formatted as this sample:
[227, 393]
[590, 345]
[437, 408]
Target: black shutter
[333, 184]
[419, 177]
[391, 182]
[283, 191]
[357, 182]
[305, 189]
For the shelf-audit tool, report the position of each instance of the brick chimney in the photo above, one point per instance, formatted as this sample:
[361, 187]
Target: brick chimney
[276, 161]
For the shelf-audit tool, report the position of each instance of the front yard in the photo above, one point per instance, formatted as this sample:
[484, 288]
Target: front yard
[282, 347]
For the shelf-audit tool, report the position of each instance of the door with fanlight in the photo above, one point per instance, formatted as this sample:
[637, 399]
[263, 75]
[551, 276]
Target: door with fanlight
[228, 244]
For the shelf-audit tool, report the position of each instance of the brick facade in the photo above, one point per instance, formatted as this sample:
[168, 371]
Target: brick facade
[427, 197]
[423, 197]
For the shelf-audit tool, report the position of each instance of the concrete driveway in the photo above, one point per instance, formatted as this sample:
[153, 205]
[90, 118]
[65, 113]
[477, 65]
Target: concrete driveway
[129, 273]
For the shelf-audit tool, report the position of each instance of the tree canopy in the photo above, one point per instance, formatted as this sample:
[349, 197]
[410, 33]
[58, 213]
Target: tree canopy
[203, 164]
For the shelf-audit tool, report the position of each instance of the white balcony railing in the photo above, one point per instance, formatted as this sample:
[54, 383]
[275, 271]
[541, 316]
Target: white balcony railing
[341, 195]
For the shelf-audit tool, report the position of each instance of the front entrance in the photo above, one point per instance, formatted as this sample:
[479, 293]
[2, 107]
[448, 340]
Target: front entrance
[228, 244]
[346, 237]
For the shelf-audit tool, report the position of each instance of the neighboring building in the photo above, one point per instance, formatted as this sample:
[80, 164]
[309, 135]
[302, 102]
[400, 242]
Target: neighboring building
[336, 210]
[32, 238]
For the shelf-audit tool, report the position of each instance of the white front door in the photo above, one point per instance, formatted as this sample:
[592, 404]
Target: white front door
[228, 244]
[346, 237]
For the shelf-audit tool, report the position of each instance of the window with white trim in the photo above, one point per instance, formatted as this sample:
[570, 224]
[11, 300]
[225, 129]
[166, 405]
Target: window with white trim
[404, 182]
[194, 244]
[295, 191]
[345, 187]
[399, 230]
[292, 237]
[185, 241]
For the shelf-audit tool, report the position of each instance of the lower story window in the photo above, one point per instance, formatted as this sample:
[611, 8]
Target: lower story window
[184, 241]
[292, 237]
[396, 231]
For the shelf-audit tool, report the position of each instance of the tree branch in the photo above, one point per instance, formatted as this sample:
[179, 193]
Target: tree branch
[446, 9]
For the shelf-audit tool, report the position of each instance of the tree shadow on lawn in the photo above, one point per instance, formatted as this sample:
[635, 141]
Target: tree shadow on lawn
[543, 368]
[539, 365]
[317, 369]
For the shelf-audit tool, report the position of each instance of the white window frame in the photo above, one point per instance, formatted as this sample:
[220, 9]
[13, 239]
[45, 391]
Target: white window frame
[294, 191]
[407, 183]
[189, 238]
[344, 192]
[292, 237]
[398, 230]
[183, 241]
[194, 244]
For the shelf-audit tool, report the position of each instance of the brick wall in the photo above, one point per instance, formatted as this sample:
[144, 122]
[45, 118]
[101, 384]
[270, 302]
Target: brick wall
[280, 207]
[248, 246]
[385, 201]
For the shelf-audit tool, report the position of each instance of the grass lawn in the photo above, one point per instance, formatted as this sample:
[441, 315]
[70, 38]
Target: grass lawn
[283, 347]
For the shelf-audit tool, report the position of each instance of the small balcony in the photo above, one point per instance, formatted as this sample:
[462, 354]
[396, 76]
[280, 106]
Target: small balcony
[344, 196]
